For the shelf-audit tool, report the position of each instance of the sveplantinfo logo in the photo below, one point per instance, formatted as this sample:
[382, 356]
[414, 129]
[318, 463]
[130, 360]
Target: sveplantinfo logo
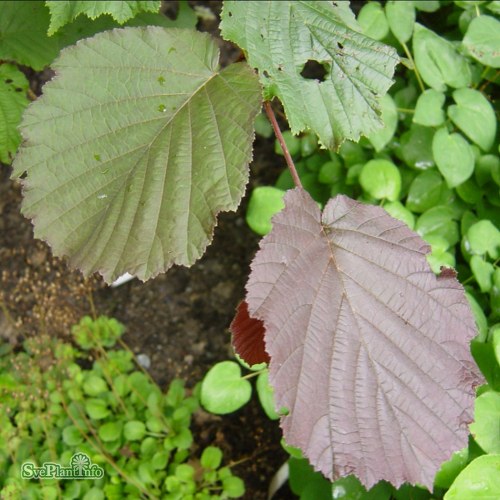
[80, 467]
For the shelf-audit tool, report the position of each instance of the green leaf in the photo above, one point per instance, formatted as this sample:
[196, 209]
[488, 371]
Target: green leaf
[381, 179]
[426, 191]
[110, 431]
[72, 436]
[223, 390]
[292, 143]
[438, 221]
[416, 147]
[13, 101]
[427, 5]
[331, 172]
[233, 487]
[381, 138]
[486, 425]
[474, 115]
[398, 211]
[134, 430]
[401, 18]
[211, 457]
[484, 238]
[429, 108]
[483, 272]
[484, 355]
[265, 201]
[482, 40]
[94, 385]
[96, 408]
[451, 469]
[480, 480]
[280, 38]
[496, 343]
[266, 395]
[373, 21]
[63, 11]
[138, 189]
[438, 61]
[454, 157]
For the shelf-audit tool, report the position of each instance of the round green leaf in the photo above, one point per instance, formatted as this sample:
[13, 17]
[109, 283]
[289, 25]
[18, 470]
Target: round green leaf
[474, 116]
[429, 108]
[134, 430]
[484, 238]
[427, 5]
[211, 457]
[266, 395]
[134, 149]
[94, 385]
[451, 469]
[438, 221]
[331, 172]
[401, 19]
[380, 138]
[96, 408]
[426, 191]
[72, 436]
[265, 201]
[223, 390]
[398, 211]
[292, 142]
[110, 431]
[480, 480]
[454, 157]
[416, 147]
[233, 487]
[373, 21]
[469, 191]
[381, 179]
[438, 61]
[483, 272]
[482, 40]
[486, 425]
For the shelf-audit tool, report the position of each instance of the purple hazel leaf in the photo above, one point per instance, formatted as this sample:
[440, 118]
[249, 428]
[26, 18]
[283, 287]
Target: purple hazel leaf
[369, 349]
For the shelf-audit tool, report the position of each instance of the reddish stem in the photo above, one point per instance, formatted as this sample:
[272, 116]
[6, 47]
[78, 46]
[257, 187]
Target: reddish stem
[279, 135]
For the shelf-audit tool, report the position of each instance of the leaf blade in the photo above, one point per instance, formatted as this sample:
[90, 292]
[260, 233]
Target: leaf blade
[342, 376]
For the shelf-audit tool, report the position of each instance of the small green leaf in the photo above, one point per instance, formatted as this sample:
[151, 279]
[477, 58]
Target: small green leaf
[482, 40]
[427, 5]
[13, 101]
[63, 12]
[381, 179]
[380, 138]
[233, 487]
[483, 272]
[211, 457]
[398, 211]
[438, 221]
[426, 191]
[469, 191]
[438, 259]
[438, 61]
[96, 408]
[223, 390]
[292, 142]
[373, 21]
[475, 116]
[110, 431]
[429, 108]
[72, 436]
[265, 201]
[486, 425]
[451, 469]
[401, 18]
[480, 480]
[416, 147]
[94, 385]
[484, 238]
[266, 395]
[454, 157]
[331, 172]
[134, 430]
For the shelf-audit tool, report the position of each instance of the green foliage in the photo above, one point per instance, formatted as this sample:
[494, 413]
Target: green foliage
[264, 202]
[13, 101]
[63, 12]
[51, 407]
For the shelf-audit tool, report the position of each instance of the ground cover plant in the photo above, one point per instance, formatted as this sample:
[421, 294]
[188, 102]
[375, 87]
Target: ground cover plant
[140, 140]
[52, 408]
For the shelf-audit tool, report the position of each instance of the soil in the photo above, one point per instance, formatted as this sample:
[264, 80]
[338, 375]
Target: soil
[179, 320]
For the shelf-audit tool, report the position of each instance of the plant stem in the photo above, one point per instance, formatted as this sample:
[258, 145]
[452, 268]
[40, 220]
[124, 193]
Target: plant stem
[279, 136]
[417, 74]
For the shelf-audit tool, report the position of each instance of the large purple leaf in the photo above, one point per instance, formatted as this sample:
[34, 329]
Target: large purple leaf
[369, 349]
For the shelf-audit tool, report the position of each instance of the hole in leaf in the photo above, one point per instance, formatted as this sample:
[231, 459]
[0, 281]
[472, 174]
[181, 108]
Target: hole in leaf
[340, 46]
[18, 89]
[265, 73]
[314, 70]
[230, 14]
[9, 80]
